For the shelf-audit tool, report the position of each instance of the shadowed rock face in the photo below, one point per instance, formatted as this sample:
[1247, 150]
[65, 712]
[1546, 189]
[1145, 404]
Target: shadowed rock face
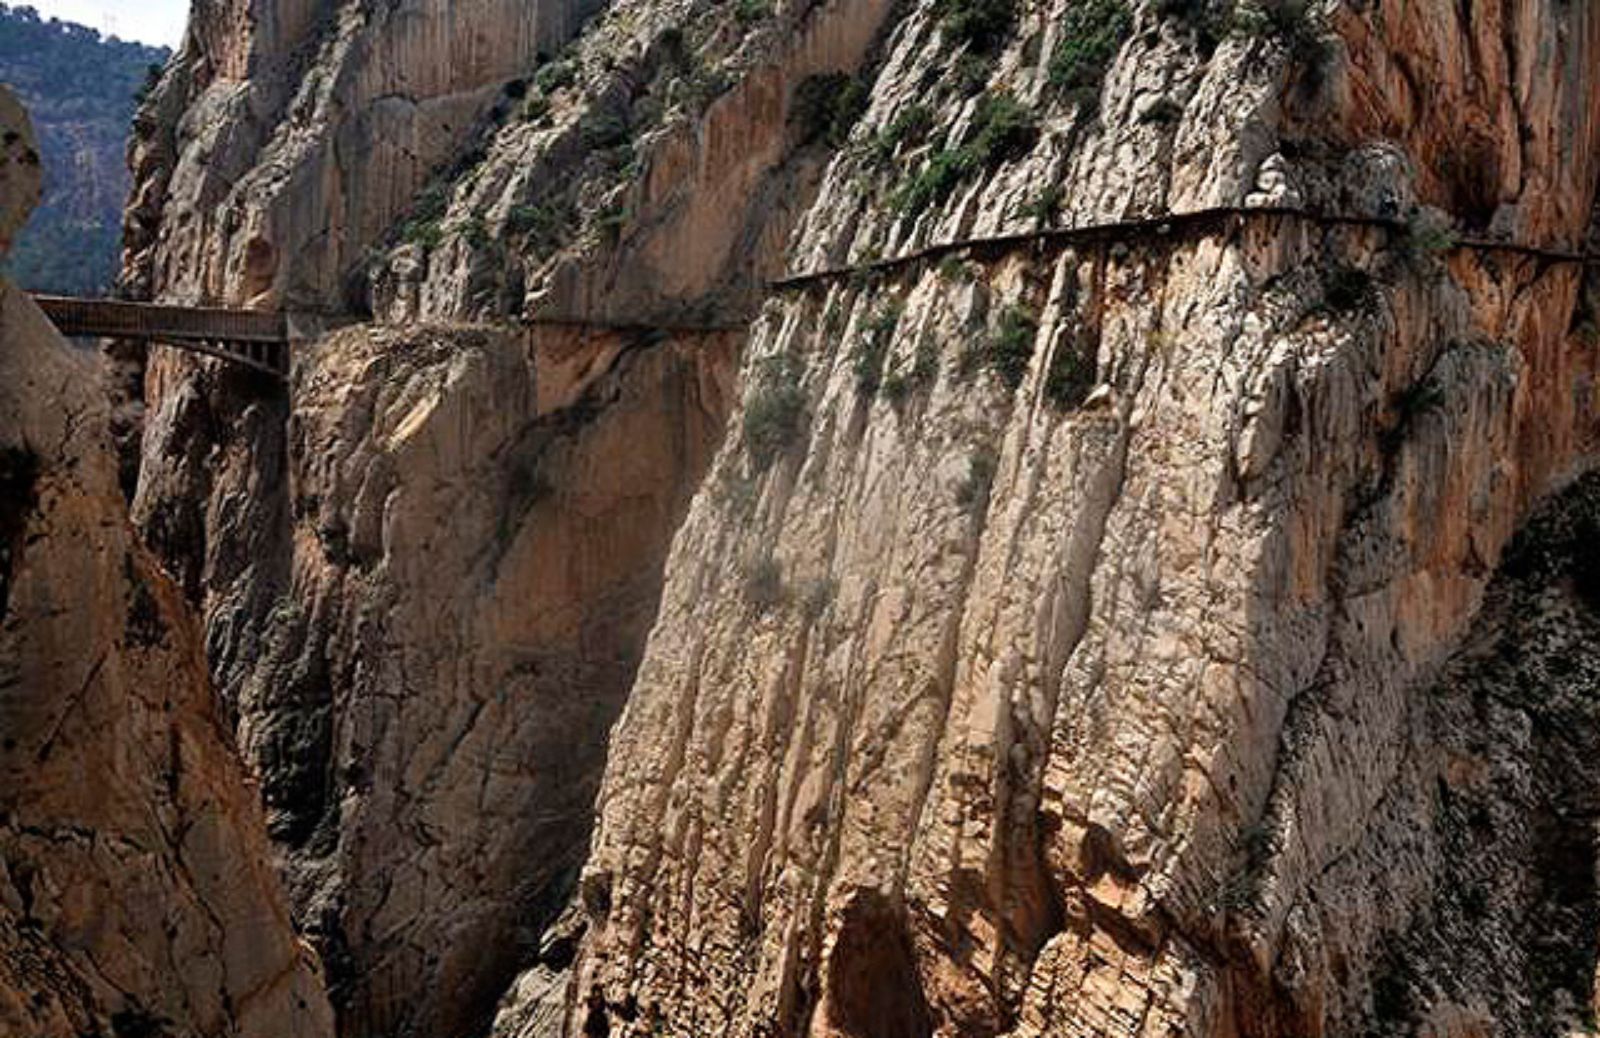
[429, 568]
[1504, 791]
[137, 894]
[427, 584]
[1060, 641]
[471, 582]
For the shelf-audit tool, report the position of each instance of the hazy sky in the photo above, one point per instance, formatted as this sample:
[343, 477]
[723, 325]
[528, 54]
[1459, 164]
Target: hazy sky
[149, 21]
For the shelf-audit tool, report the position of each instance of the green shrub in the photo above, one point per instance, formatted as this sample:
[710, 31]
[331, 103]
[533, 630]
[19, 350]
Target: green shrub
[970, 73]
[704, 85]
[535, 108]
[775, 412]
[1002, 130]
[833, 319]
[980, 25]
[909, 127]
[152, 79]
[973, 493]
[1070, 378]
[429, 234]
[476, 233]
[555, 76]
[611, 220]
[826, 107]
[425, 224]
[930, 185]
[952, 269]
[1288, 21]
[924, 371]
[604, 130]
[1010, 348]
[1425, 240]
[896, 389]
[1042, 210]
[748, 12]
[542, 224]
[1091, 34]
[525, 219]
[873, 350]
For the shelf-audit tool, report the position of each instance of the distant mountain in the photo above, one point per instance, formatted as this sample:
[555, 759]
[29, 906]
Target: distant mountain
[81, 89]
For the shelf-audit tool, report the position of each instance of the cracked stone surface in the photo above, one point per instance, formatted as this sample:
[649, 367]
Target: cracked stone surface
[288, 135]
[428, 570]
[1061, 642]
[137, 893]
[1111, 718]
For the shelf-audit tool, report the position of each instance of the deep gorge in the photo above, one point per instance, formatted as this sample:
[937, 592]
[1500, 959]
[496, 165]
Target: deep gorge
[821, 517]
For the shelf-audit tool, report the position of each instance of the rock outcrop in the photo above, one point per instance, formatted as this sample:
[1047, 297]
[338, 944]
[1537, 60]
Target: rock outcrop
[1073, 636]
[137, 893]
[1052, 652]
[288, 135]
[428, 570]
[427, 585]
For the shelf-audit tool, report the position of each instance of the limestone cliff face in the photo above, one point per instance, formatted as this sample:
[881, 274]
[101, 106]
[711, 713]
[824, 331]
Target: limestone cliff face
[288, 135]
[428, 567]
[137, 894]
[426, 586]
[1067, 638]
[650, 175]
[1053, 651]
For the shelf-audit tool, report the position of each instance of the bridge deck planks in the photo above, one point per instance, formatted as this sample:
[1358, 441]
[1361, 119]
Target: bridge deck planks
[153, 322]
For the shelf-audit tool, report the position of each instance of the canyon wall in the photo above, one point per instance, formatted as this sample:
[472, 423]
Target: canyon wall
[1063, 661]
[137, 893]
[287, 137]
[428, 565]
[1080, 636]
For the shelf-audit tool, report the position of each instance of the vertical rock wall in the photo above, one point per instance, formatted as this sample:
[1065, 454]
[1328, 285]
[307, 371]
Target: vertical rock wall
[137, 894]
[1059, 662]
[429, 566]
[1048, 649]
[286, 138]
[471, 580]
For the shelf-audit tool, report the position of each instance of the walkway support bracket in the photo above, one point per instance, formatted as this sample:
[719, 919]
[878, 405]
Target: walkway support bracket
[257, 339]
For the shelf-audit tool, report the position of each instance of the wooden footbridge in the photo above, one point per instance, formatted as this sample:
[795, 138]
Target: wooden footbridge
[261, 339]
[257, 339]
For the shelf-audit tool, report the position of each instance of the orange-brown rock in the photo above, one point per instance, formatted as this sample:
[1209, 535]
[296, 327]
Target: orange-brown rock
[1073, 640]
[1079, 643]
[137, 893]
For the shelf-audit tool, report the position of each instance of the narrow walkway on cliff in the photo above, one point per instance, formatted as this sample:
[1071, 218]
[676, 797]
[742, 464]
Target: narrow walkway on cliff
[1174, 227]
[257, 339]
[261, 339]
